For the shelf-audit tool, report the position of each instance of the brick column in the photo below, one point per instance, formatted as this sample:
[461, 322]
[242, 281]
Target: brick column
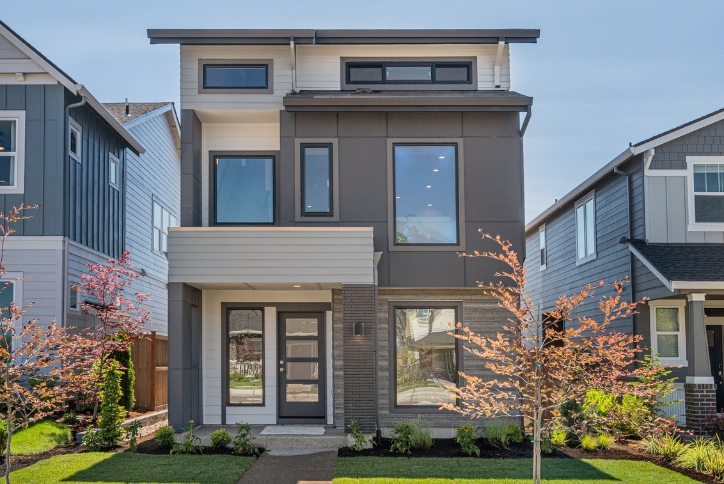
[700, 403]
[699, 390]
[358, 306]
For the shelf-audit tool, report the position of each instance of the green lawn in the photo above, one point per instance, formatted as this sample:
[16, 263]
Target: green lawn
[39, 437]
[395, 470]
[109, 468]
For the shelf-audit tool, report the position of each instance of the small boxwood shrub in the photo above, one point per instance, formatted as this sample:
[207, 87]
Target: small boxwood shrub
[466, 437]
[220, 439]
[164, 437]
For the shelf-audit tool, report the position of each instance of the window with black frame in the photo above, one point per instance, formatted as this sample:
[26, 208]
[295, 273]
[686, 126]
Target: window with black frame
[412, 72]
[316, 171]
[425, 194]
[244, 189]
[425, 356]
[245, 357]
[229, 76]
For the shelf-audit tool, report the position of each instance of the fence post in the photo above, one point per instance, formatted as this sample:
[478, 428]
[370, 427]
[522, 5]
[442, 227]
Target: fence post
[153, 370]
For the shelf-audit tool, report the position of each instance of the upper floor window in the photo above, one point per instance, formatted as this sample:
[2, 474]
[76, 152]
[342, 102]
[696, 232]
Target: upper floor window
[586, 228]
[459, 73]
[162, 220]
[235, 76]
[12, 151]
[708, 182]
[113, 171]
[316, 171]
[543, 251]
[75, 140]
[244, 189]
[425, 191]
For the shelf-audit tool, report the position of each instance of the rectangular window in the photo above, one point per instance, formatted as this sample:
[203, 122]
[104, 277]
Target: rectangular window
[113, 169]
[425, 194]
[586, 228]
[316, 171]
[667, 332]
[75, 140]
[708, 193]
[409, 72]
[7, 295]
[73, 297]
[235, 76]
[543, 252]
[8, 151]
[244, 189]
[162, 220]
[425, 357]
[245, 329]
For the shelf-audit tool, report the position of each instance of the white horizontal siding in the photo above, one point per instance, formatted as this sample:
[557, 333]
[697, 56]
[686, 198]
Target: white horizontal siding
[322, 255]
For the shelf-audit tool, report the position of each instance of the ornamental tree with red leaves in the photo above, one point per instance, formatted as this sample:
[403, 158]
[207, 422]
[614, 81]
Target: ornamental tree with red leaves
[119, 319]
[539, 367]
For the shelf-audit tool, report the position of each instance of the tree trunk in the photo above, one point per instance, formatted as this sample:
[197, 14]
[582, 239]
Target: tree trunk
[8, 426]
[536, 447]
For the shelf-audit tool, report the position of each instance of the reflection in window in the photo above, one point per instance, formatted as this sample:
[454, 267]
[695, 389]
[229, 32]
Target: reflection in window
[162, 220]
[246, 371]
[235, 77]
[425, 356]
[709, 193]
[244, 190]
[7, 296]
[8, 151]
[316, 180]
[425, 191]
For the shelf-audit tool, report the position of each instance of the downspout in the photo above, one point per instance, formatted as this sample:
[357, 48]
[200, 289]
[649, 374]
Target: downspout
[294, 63]
[64, 290]
[627, 175]
[378, 432]
[526, 121]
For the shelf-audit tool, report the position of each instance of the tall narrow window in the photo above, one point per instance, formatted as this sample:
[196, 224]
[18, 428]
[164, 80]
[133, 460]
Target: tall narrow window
[543, 251]
[8, 151]
[425, 356]
[586, 228]
[244, 189]
[667, 332]
[7, 296]
[425, 194]
[245, 360]
[162, 220]
[75, 141]
[113, 171]
[316, 169]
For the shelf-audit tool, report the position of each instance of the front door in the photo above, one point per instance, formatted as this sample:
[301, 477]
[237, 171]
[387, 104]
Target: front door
[301, 368]
[713, 337]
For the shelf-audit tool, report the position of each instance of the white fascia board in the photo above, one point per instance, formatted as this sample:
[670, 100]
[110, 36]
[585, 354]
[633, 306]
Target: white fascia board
[678, 133]
[697, 285]
[115, 124]
[147, 116]
[652, 268]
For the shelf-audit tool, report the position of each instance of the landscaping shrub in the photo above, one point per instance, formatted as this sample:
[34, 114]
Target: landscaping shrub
[422, 436]
[3, 436]
[515, 433]
[164, 437]
[466, 437]
[112, 413]
[546, 446]
[410, 435]
[589, 443]
[220, 439]
[357, 436]
[190, 442]
[70, 418]
[668, 446]
[694, 455]
[242, 443]
[715, 424]
[128, 377]
[133, 430]
[503, 433]
[714, 462]
[604, 441]
[559, 437]
[91, 440]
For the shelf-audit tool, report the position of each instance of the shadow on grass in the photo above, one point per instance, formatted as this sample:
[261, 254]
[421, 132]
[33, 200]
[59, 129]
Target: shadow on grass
[464, 468]
[137, 468]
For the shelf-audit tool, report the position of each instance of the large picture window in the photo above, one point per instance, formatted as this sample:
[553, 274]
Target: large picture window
[244, 189]
[425, 356]
[246, 356]
[316, 171]
[425, 194]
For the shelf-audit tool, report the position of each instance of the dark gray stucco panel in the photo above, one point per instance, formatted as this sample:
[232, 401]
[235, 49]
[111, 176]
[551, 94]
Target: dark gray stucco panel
[190, 169]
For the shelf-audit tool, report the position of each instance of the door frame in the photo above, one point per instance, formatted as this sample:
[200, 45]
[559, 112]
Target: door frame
[322, 371]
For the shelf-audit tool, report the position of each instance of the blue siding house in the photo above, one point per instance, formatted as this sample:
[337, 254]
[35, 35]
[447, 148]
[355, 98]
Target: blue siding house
[654, 214]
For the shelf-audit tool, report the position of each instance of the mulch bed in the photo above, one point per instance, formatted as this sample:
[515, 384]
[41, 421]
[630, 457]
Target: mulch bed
[147, 445]
[449, 448]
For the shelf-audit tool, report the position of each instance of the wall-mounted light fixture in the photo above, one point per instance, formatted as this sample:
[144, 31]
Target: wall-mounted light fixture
[359, 328]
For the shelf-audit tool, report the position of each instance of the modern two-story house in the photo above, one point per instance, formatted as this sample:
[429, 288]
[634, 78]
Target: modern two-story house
[654, 214]
[329, 180]
[95, 177]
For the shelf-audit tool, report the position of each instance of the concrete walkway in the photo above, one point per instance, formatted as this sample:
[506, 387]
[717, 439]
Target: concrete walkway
[292, 466]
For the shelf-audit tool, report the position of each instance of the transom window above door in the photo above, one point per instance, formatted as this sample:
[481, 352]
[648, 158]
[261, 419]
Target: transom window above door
[244, 189]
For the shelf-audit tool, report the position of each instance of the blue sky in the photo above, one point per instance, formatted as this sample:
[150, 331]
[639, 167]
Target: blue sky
[603, 74]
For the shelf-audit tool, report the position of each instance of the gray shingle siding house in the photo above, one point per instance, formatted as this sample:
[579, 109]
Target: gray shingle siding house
[654, 214]
[329, 179]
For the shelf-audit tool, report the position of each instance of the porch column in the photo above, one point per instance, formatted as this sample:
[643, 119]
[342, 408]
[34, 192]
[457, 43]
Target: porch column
[700, 391]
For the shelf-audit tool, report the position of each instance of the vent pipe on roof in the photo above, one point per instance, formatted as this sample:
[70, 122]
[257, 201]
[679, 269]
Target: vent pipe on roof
[128, 111]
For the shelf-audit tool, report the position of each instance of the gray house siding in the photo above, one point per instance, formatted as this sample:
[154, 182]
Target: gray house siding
[190, 169]
[95, 208]
[155, 175]
[705, 141]
[44, 173]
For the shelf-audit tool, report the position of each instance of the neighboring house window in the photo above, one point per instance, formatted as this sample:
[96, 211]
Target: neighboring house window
[425, 194]
[425, 355]
[409, 72]
[162, 220]
[73, 298]
[244, 189]
[75, 140]
[543, 251]
[586, 228]
[230, 76]
[113, 170]
[708, 193]
[668, 338]
[12, 151]
[245, 362]
[7, 295]
[316, 173]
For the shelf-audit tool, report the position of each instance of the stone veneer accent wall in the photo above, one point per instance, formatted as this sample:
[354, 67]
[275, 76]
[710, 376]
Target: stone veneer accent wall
[480, 312]
[700, 403]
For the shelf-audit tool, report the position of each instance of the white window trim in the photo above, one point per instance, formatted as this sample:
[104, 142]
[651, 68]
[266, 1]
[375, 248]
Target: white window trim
[19, 117]
[70, 292]
[542, 230]
[154, 202]
[16, 278]
[74, 126]
[693, 226]
[114, 160]
[681, 306]
[582, 201]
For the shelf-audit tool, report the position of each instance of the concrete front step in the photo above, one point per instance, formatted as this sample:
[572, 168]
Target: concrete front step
[333, 438]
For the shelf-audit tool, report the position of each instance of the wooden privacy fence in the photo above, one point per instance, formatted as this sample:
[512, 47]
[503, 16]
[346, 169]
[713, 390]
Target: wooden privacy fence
[150, 362]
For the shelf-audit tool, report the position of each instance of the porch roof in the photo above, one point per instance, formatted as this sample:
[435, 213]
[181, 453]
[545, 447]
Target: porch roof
[683, 266]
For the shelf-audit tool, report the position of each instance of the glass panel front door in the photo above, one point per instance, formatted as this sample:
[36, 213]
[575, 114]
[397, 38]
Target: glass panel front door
[301, 366]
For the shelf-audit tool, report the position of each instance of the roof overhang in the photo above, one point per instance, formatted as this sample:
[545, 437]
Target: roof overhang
[673, 285]
[340, 36]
